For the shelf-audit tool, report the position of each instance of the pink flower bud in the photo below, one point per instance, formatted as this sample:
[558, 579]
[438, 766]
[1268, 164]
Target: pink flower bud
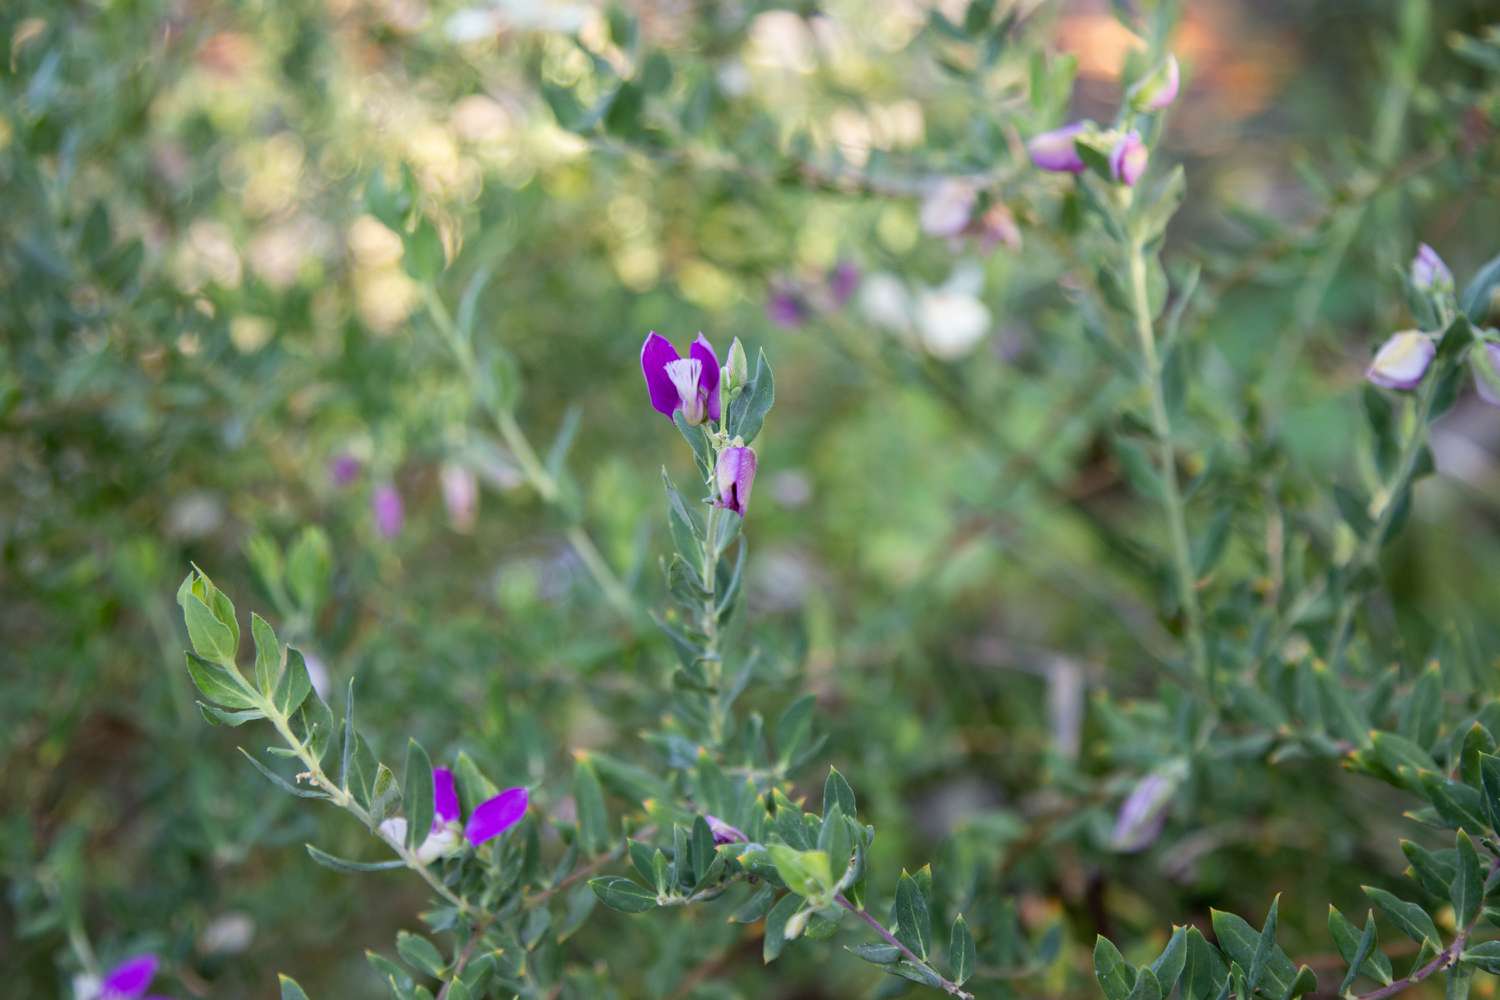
[1402, 360]
[1055, 151]
[1127, 161]
[1157, 89]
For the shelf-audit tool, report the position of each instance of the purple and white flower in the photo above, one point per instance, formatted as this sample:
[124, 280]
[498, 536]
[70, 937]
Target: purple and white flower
[947, 207]
[1144, 811]
[734, 475]
[1056, 150]
[1429, 273]
[490, 818]
[1402, 360]
[675, 383]
[1127, 161]
[1158, 88]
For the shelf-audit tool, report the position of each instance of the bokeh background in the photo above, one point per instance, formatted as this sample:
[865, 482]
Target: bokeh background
[214, 337]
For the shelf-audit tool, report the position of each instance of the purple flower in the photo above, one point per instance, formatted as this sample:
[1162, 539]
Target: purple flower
[494, 816]
[130, 979]
[675, 383]
[1428, 272]
[1144, 811]
[786, 307]
[390, 512]
[1485, 359]
[1402, 360]
[723, 832]
[1056, 151]
[445, 808]
[491, 818]
[1127, 161]
[1158, 88]
[843, 282]
[344, 469]
[734, 474]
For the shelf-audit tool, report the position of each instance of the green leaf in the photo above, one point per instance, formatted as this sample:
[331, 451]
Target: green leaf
[1361, 951]
[913, 922]
[1422, 710]
[289, 988]
[416, 794]
[748, 410]
[1478, 297]
[1116, 977]
[216, 716]
[807, 873]
[836, 790]
[280, 782]
[1204, 974]
[1468, 885]
[622, 894]
[211, 638]
[962, 956]
[218, 684]
[1409, 918]
[1485, 955]
[419, 952]
[1265, 947]
[309, 570]
[793, 727]
[774, 938]
[267, 654]
[1146, 987]
[1489, 778]
[345, 865]
[1169, 964]
[293, 685]
[1435, 871]
[593, 819]
[754, 908]
[1241, 942]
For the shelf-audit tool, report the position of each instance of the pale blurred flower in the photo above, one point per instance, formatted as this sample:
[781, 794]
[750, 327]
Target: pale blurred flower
[951, 319]
[317, 672]
[460, 495]
[249, 334]
[208, 255]
[781, 39]
[947, 207]
[278, 252]
[228, 934]
[194, 515]
[886, 302]
[791, 488]
[372, 244]
[478, 118]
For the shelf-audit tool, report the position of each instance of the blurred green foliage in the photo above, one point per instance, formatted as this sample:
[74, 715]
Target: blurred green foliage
[233, 235]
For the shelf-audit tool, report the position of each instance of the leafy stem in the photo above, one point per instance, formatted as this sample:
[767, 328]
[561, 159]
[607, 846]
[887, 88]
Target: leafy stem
[945, 984]
[1161, 427]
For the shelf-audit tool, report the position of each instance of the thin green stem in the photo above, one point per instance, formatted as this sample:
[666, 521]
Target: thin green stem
[1368, 550]
[535, 470]
[1161, 427]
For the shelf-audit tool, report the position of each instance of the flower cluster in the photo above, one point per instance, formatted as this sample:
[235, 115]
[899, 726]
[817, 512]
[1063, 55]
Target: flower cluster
[793, 302]
[1120, 154]
[691, 389]
[1404, 359]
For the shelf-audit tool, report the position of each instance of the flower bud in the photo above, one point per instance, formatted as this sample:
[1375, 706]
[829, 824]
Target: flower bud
[344, 469]
[843, 281]
[1158, 88]
[947, 207]
[1485, 360]
[1402, 360]
[1127, 161]
[737, 370]
[1429, 273]
[734, 475]
[1055, 151]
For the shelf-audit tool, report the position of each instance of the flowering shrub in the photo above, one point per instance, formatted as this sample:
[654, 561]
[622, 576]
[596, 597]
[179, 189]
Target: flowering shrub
[1127, 483]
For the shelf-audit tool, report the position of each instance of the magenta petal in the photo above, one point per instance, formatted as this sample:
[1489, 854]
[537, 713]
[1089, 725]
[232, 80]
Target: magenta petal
[129, 979]
[492, 817]
[444, 797]
[734, 475]
[656, 353]
[708, 382]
